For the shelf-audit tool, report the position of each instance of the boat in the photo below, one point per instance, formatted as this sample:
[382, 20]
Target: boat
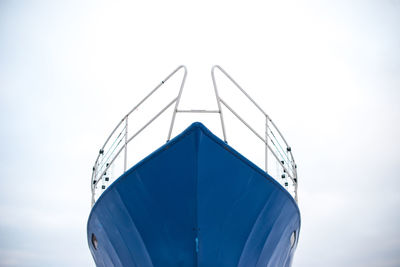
[194, 201]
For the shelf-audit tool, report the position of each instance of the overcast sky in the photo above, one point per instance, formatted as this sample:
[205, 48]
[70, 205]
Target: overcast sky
[328, 72]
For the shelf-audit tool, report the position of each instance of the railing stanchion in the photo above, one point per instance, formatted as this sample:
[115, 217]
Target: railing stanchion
[126, 143]
[218, 103]
[177, 103]
[268, 122]
[266, 143]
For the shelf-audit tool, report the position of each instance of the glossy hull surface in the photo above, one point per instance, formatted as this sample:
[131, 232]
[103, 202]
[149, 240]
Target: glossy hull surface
[194, 202]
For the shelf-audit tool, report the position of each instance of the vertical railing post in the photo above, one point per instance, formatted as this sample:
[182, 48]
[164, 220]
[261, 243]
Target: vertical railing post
[178, 99]
[296, 183]
[126, 143]
[266, 143]
[218, 102]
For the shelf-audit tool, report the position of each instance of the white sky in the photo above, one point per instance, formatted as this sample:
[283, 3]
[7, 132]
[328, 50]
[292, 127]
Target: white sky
[328, 72]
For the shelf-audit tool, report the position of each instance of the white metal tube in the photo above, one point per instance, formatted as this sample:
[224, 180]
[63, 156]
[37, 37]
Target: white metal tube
[292, 175]
[155, 117]
[266, 143]
[242, 120]
[240, 88]
[101, 167]
[281, 151]
[140, 103]
[108, 139]
[93, 191]
[259, 136]
[279, 132]
[106, 169]
[280, 163]
[177, 103]
[260, 109]
[126, 143]
[221, 115]
[94, 174]
[110, 149]
[155, 89]
[197, 111]
[139, 131]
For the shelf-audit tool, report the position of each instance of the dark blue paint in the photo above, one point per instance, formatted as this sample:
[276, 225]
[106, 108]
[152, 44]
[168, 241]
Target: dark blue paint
[194, 202]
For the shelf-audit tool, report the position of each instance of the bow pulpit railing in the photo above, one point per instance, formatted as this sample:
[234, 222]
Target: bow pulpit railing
[120, 138]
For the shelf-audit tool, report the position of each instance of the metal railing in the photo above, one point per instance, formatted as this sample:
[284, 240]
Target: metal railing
[284, 157]
[108, 153]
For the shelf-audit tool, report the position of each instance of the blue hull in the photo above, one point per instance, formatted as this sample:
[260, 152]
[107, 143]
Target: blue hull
[194, 202]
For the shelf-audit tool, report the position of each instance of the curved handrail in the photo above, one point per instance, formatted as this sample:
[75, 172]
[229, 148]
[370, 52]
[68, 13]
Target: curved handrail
[99, 170]
[101, 167]
[293, 171]
[237, 85]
